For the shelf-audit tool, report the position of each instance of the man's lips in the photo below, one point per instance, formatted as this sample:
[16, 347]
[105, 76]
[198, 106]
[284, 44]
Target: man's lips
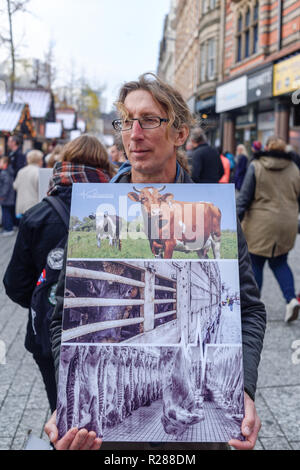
[140, 152]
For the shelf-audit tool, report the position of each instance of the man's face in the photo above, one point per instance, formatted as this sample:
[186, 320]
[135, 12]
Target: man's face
[151, 153]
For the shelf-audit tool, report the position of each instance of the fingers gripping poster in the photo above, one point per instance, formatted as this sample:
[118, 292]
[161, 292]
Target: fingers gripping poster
[151, 343]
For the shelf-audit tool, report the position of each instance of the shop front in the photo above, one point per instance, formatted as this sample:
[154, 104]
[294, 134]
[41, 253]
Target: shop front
[209, 119]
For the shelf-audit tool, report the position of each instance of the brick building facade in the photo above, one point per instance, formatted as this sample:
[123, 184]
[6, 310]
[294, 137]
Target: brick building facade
[261, 71]
[197, 59]
[237, 63]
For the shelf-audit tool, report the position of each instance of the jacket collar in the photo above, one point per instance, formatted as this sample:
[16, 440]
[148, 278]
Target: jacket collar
[124, 174]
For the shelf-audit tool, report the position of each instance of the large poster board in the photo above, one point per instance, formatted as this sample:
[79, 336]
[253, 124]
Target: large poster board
[151, 343]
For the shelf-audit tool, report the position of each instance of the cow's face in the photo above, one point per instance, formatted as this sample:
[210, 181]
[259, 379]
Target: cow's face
[101, 219]
[151, 200]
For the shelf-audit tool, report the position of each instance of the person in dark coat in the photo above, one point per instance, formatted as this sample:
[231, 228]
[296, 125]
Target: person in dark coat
[241, 166]
[83, 160]
[7, 196]
[153, 157]
[16, 156]
[206, 162]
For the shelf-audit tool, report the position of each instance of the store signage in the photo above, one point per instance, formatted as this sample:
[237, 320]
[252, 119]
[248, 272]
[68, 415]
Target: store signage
[260, 84]
[286, 76]
[204, 104]
[232, 95]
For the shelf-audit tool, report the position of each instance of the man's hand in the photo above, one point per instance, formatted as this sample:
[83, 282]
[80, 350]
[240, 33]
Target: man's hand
[250, 427]
[74, 439]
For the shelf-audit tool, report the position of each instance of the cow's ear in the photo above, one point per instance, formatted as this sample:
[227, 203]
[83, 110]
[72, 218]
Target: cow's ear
[133, 196]
[167, 197]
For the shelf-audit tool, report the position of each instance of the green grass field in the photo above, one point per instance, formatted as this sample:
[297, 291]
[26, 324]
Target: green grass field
[84, 245]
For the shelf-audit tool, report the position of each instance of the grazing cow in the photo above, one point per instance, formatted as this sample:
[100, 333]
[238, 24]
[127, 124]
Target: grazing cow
[108, 226]
[176, 225]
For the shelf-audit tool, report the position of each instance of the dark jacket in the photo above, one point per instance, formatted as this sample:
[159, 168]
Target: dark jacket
[7, 192]
[252, 309]
[207, 164]
[17, 160]
[268, 204]
[240, 171]
[40, 230]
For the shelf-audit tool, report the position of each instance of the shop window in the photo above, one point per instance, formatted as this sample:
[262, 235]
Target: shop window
[247, 31]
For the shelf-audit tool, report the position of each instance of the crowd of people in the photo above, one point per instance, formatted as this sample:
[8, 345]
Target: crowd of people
[155, 124]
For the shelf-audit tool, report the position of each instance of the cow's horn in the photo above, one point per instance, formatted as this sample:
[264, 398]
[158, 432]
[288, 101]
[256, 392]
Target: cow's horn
[161, 188]
[136, 189]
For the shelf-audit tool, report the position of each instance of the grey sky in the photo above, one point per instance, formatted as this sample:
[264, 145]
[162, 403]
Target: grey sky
[110, 41]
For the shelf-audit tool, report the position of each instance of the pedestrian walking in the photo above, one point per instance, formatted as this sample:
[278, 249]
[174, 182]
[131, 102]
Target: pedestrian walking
[16, 157]
[154, 123]
[268, 208]
[7, 196]
[41, 229]
[226, 165]
[54, 156]
[241, 166]
[256, 146]
[206, 162]
[117, 153]
[26, 183]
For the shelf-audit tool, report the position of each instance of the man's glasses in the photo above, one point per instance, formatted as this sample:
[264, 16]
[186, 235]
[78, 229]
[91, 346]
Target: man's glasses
[150, 122]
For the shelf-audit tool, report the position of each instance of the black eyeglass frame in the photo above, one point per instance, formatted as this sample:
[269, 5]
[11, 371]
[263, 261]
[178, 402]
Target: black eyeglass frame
[115, 121]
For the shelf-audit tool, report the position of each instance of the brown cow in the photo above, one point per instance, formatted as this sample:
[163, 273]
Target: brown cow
[176, 225]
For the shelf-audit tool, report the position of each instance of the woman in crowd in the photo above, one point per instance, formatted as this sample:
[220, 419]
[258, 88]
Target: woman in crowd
[26, 183]
[84, 160]
[268, 208]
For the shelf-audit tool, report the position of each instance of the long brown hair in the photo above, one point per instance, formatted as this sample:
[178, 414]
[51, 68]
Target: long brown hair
[87, 150]
[167, 97]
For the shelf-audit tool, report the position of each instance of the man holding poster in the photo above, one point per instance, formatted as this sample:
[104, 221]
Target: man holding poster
[155, 122]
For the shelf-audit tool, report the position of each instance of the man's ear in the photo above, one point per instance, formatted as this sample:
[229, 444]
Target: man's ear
[134, 196]
[182, 135]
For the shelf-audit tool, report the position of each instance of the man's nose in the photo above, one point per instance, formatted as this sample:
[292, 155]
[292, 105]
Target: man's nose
[136, 131]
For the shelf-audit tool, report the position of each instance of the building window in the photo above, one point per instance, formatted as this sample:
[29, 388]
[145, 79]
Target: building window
[208, 60]
[247, 31]
[203, 62]
[211, 59]
[208, 5]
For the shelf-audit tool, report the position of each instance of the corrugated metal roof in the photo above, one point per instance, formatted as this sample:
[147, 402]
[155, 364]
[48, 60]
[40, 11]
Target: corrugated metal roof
[53, 130]
[39, 101]
[10, 114]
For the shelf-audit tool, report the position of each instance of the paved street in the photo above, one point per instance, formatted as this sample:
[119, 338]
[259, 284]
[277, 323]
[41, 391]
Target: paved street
[23, 403]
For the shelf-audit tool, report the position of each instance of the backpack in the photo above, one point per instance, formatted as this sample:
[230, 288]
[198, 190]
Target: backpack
[43, 299]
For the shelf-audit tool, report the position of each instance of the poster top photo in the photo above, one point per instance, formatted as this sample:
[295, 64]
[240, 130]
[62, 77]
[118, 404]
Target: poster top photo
[153, 221]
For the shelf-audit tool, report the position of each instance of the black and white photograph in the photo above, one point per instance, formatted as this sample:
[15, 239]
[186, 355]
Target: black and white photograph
[151, 302]
[157, 393]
